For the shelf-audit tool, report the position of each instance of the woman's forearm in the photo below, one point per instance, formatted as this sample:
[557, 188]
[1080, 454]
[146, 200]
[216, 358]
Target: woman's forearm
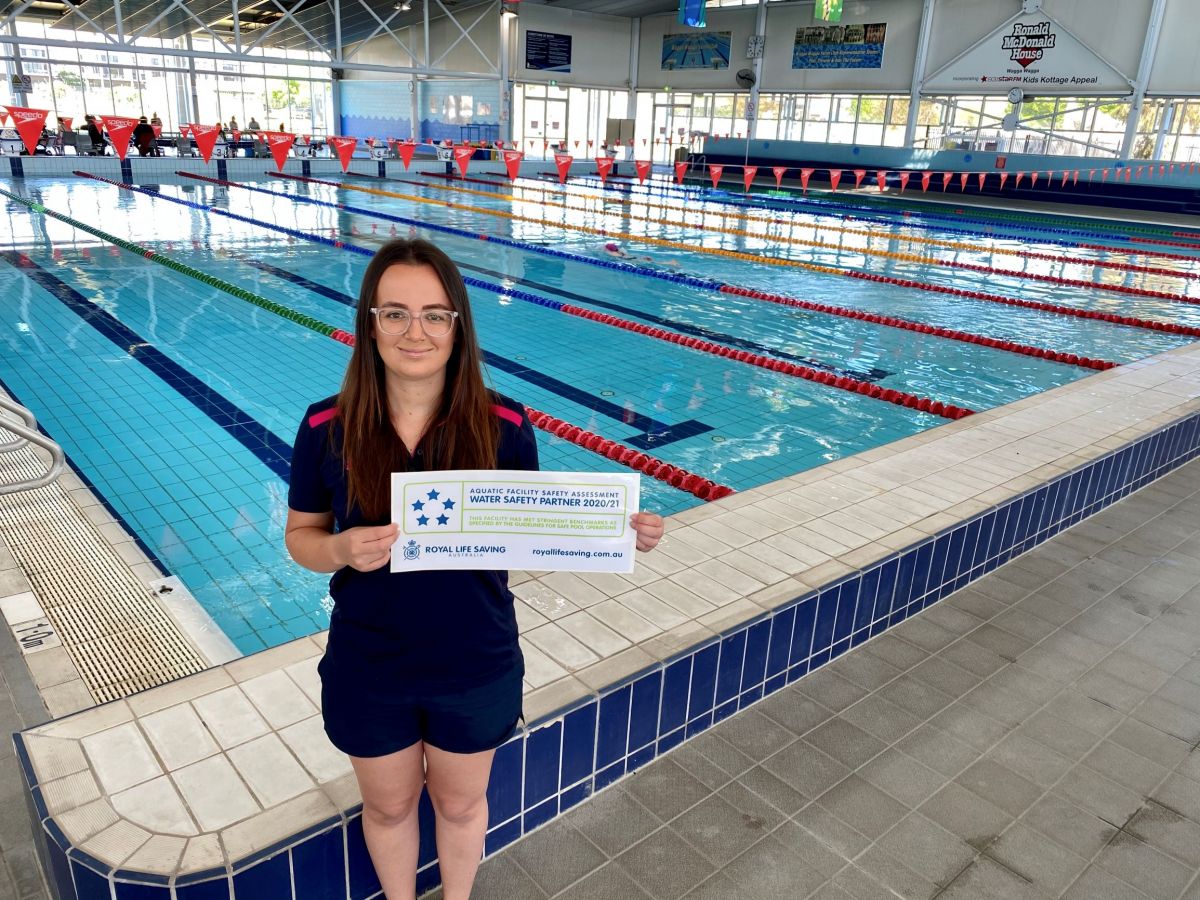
[316, 549]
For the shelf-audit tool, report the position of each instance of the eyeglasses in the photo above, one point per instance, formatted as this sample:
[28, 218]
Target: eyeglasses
[434, 322]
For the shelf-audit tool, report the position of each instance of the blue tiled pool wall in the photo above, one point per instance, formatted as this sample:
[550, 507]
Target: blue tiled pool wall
[556, 763]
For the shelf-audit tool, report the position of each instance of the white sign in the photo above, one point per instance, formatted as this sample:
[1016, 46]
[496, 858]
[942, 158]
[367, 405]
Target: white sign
[1034, 52]
[486, 519]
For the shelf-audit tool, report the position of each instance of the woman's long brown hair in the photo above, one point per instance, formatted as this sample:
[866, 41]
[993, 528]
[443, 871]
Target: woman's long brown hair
[465, 432]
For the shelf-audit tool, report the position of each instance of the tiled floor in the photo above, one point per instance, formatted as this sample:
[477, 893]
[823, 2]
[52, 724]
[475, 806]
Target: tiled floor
[1036, 735]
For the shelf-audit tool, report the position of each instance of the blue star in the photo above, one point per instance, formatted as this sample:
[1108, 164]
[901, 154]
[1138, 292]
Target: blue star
[422, 520]
[418, 505]
[443, 519]
[447, 504]
[433, 495]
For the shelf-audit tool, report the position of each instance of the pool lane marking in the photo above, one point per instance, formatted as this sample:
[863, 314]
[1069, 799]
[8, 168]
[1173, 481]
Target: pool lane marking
[712, 284]
[1012, 221]
[654, 433]
[704, 488]
[824, 245]
[270, 449]
[829, 379]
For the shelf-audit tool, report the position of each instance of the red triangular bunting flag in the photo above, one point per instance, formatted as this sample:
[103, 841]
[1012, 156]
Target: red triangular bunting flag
[748, 173]
[119, 129]
[982, 179]
[1003, 179]
[67, 120]
[881, 179]
[344, 148]
[714, 172]
[512, 162]
[30, 122]
[904, 176]
[805, 174]
[279, 143]
[946, 176]
[563, 162]
[859, 175]
[643, 167]
[1020, 175]
[1033, 177]
[1074, 177]
[835, 178]
[962, 181]
[604, 166]
[205, 137]
[1063, 183]
[680, 168]
[925, 179]
[1091, 175]
[1128, 173]
[462, 157]
[780, 171]
[1104, 174]
[157, 129]
[1140, 170]
[406, 149]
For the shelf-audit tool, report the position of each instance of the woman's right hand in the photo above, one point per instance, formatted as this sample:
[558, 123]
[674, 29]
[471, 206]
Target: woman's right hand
[368, 547]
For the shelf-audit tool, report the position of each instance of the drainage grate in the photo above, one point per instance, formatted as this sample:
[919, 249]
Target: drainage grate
[118, 636]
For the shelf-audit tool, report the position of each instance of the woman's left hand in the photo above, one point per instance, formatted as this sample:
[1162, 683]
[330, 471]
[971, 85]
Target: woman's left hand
[649, 528]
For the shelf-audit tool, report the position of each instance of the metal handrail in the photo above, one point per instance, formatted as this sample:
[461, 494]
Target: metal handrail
[28, 434]
[30, 422]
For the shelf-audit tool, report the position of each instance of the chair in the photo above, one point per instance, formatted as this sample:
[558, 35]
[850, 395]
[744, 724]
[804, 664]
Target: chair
[67, 139]
[84, 145]
[302, 149]
[260, 149]
[183, 146]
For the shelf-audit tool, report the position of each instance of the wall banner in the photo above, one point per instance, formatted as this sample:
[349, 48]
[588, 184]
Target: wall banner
[547, 52]
[839, 46]
[705, 50]
[1032, 52]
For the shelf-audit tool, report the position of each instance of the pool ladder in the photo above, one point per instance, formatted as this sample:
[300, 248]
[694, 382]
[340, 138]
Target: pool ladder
[27, 433]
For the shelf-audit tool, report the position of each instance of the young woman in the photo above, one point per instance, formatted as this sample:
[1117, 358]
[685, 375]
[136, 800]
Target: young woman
[421, 680]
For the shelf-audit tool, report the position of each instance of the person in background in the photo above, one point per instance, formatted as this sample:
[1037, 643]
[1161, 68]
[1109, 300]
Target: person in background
[280, 128]
[155, 120]
[143, 137]
[233, 125]
[95, 134]
[253, 124]
[421, 679]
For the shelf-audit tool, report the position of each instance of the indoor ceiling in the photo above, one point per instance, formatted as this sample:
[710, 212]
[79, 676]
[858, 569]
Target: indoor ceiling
[256, 16]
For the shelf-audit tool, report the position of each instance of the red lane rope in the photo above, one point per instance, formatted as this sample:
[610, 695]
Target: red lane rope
[1151, 324]
[696, 485]
[1141, 240]
[967, 337]
[842, 382]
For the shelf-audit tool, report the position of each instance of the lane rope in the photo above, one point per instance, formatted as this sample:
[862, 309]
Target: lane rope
[712, 284]
[932, 260]
[784, 367]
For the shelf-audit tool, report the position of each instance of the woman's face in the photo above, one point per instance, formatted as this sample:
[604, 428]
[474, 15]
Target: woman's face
[414, 356]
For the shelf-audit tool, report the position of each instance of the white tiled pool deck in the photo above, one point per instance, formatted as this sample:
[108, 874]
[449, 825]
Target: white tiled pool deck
[206, 770]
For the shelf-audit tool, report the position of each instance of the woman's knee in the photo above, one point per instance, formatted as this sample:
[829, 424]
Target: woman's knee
[458, 808]
[391, 811]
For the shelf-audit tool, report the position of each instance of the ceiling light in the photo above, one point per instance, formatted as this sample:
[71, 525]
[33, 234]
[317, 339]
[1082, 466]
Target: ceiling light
[405, 6]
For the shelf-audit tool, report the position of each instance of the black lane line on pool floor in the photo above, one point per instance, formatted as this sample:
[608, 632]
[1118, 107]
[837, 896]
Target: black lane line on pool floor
[269, 448]
[655, 434]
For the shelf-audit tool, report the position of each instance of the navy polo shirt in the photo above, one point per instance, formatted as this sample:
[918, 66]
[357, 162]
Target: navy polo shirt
[409, 630]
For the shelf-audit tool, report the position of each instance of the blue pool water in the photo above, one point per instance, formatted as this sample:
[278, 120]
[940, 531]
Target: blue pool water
[179, 402]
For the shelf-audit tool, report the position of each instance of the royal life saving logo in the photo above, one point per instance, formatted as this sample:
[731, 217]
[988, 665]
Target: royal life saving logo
[1028, 43]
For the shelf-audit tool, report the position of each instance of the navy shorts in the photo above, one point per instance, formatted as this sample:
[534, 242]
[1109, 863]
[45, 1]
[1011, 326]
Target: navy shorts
[364, 721]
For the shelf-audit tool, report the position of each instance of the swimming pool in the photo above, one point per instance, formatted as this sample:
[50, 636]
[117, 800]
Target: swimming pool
[179, 400]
